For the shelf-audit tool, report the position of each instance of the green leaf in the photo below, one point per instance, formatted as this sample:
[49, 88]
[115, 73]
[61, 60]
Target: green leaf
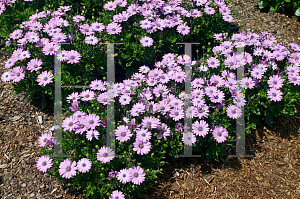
[262, 4]
[269, 120]
[273, 9]
[297, 13]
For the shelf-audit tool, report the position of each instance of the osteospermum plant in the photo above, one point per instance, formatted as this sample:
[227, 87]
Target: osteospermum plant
[141, 26]
[149, 110]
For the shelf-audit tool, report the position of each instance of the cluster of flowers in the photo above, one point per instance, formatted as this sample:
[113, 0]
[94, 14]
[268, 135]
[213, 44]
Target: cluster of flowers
[268, 50]
[34, 29]
[67, 168]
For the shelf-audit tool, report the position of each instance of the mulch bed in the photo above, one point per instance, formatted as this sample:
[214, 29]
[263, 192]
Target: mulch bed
[273, 172]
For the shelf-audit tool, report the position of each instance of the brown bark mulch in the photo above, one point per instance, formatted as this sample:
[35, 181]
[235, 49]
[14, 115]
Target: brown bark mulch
[273, 172]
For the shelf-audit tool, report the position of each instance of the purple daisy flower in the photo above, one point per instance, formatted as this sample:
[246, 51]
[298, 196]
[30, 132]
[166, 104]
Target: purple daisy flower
[43, 163]
[110, 6]
[10, 62]
[247, 81]
[86, 29]
[257, 73]
[198, 102]
[275, 81]
[294, 79]
[34, 64]
[73, 57]
[78, 18]
[200, 128]
[146, 24]
[44, 138]
[176, 103]
[213, 62]
[87, 95]
[227, 18]
[50, 48]
[16, 34]
[183, 29]
[17, 74]
[219, 134]
[117, 195]
[141, 147]
[189, 138]
[177, 114]
[32, 37]
[209, 10]
[137, 109]
[198, 82]
[59, 38]
[179, 76]
[113, 28]
[125, 99]
[231, 83]
[138, 175]
[84, 165]
[35, 26]
[97, 85]
[146, 41]
[45, 78]
[99, 27]
[91, 40]
[124, 176]
[25, 54]
[150, 121]
[92, 120]
[197, 93]
[70, 123]
[233, 111]
[144, 69]
[103, 98]
[274, 95]
[5, 77]
[123, 133]
[218, 98]
[217, 80]
[67, 169]
[62, 56]
[74, 97]
[105, 154]
[92, 134]
[143, 135]
[201, 111]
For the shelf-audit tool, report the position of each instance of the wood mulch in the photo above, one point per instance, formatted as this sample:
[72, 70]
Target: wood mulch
[273, 172]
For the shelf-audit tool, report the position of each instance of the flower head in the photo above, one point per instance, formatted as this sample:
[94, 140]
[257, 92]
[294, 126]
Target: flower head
[43, 163]
[124, 176]
[138, 175]
[219, 134]
[67, 169]
[45, 78]
[84, 165]
[146, 41]
[105, 154]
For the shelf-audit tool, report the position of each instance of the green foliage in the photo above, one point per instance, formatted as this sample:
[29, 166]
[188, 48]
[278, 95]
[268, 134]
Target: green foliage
[287, 5]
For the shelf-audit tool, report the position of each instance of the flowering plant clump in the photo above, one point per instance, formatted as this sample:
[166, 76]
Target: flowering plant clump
[141, 26]
[150, 112]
